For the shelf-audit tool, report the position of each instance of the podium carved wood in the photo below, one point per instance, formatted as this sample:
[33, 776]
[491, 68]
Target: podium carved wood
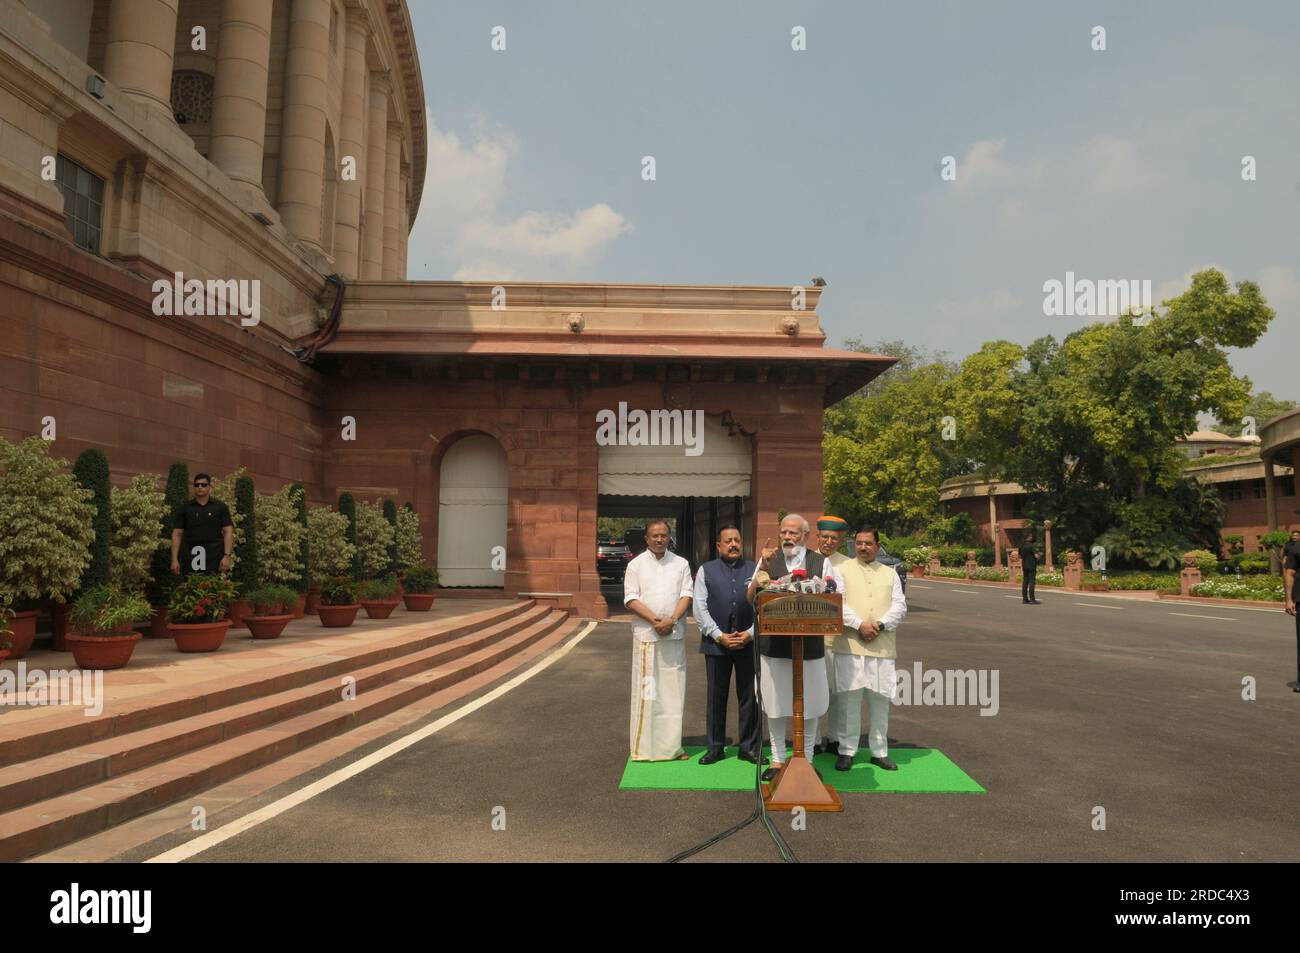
[799, 615]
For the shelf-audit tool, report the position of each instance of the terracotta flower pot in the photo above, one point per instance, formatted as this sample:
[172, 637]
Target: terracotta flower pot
[158, 628]
[236, 613]
[313, 600]
[419, 601]
[59, 625]
[102, 651]
[338, 617]
[379, 608]
[267, 626]
[23, 634]
[301, 606]
[917, 572]
[199, 636]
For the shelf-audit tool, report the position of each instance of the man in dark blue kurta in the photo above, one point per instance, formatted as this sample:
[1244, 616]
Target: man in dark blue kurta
[726, 621]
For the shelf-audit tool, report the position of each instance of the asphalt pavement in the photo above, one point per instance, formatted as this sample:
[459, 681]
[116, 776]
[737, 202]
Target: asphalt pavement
[1130, 708]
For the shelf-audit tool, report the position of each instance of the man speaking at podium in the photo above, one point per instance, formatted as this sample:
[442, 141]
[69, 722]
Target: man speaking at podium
[776, 674]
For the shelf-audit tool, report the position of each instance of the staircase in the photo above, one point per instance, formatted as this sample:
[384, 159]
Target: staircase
[71, 776]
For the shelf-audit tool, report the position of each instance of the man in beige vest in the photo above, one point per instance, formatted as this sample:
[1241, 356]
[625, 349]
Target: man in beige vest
[862, 657]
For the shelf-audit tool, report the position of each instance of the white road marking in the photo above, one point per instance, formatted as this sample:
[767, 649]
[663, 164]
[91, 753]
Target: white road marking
[1176, 602]
[213, 838]
[975, 591]
[1220, 618]
[915, 586]
[1093, 605]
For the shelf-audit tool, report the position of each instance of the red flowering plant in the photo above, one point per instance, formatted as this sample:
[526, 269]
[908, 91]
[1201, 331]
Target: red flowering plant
[200, 598]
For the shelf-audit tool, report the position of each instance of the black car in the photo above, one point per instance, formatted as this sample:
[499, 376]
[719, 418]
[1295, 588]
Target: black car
[900, 567]
[612, 557]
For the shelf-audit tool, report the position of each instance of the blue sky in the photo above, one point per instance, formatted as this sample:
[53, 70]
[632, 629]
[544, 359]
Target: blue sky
[774, 165]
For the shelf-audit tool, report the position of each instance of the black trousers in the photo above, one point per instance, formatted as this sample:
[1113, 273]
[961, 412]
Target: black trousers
[719, 669]
[212, 553]
[1027, 581]
[1297, 644]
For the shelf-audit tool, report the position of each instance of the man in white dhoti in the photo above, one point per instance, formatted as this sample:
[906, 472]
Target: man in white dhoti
[776, 678]
[862, 658]
[657, 588]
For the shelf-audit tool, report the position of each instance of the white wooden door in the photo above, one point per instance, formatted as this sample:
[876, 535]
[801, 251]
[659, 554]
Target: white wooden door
[472, 498]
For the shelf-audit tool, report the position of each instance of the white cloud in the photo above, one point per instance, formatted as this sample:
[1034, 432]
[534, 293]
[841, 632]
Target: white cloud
[1278, 284]
[460, 215]
[983, 163]
[1119, 166]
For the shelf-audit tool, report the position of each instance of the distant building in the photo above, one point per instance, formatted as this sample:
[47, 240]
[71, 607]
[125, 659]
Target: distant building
[1258, 490]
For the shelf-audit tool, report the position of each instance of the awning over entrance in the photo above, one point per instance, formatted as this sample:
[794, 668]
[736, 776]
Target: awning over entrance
[722, 467]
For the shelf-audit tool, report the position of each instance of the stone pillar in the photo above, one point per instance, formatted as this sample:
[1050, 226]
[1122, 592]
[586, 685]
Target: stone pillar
[933, 566]
[1073, 570]
[239, 90]
[302, 137]
[139, 49]
[1191, 575]
[1014, 567]
[392, 202]
[372, 234]
[1047, 529]
[352, 142]
[993, 531]
[971, 564]
[1270, 504]
[404, 221]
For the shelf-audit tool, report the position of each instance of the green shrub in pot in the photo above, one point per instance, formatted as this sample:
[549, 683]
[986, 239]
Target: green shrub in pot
[272, 600]
[383, 589]
[420, 579]
[107, 610]
[338, 591]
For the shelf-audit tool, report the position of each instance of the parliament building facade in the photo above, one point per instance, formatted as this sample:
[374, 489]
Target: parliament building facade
[281, 144]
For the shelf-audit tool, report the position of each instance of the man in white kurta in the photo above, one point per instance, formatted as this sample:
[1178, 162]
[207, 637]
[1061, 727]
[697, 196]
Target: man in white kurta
[776, 673]
[830, 533]
[862, 658]
[657, 588]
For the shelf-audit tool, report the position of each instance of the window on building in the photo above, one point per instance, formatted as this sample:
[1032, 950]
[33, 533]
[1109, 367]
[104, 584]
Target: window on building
[1257, 491]
[1231, 492]
[191, 97]
[83, 202]
[1286, 486]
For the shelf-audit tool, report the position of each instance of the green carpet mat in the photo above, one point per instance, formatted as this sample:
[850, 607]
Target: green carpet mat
[920, 771]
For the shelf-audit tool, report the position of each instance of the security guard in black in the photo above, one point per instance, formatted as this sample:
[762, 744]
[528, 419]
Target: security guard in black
[201, 523]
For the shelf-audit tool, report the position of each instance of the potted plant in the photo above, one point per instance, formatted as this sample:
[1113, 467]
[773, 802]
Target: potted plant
[273, 608]
[328, 551]
[46, 530]
[338, 602]
[197, 611]
[379, 597]
[915, 559]
[104, 619]
[418, 585]
[162, 581]
[6, 613]
[302, 580]
[280, 539]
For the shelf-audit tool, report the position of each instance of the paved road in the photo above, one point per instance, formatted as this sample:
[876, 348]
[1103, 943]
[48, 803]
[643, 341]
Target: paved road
[1132, 706]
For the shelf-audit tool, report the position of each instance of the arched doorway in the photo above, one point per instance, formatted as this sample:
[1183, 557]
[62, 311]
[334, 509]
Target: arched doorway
[472, 496]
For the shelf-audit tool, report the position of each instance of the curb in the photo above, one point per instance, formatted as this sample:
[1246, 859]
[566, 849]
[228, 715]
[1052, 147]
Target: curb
[1142, 595]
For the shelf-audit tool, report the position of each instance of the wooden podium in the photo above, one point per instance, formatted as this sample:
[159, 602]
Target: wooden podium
[799, 615]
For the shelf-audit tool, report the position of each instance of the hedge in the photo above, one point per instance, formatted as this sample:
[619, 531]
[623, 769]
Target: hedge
[91, 472]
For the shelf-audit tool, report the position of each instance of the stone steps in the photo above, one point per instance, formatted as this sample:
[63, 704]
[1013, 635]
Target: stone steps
[68, 794]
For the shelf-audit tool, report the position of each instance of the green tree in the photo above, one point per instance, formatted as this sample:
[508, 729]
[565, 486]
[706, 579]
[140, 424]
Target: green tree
[348, 508]
[298, 493]
[245, 571]
[1262, 407]
[91, 472]
[174, 497]
[137, 509]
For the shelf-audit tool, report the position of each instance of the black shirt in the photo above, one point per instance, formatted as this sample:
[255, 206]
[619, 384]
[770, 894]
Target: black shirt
[202, 525]
[1293, 563]
[1028, 561]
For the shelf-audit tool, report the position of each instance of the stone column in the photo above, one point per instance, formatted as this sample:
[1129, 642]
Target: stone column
[352, 142]
[372, 235]
[302, 137]
[404, 221]
[1270, 504]
[1047, 530]
[139, 49]
[993, 531]
[239, 90]
[392, 203]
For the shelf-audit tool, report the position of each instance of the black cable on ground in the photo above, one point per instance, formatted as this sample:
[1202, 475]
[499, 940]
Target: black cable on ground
[760, 808]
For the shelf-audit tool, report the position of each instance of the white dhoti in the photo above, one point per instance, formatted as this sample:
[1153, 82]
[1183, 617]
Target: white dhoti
[832, 710]
[776, 681]
[658, 696]
[855, 674]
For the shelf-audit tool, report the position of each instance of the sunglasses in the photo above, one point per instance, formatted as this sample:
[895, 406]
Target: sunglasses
[199, 486]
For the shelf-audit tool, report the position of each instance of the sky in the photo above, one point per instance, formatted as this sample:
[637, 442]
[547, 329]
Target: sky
[774, 165]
